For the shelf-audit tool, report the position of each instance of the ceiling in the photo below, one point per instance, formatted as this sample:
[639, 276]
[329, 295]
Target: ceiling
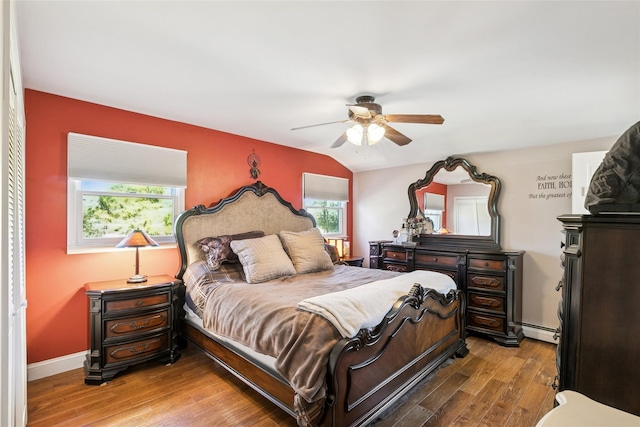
[503, 74]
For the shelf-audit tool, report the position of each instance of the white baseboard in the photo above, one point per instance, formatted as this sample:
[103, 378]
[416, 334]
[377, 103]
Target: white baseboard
[538, 334]
[66, 363]
[57, 365]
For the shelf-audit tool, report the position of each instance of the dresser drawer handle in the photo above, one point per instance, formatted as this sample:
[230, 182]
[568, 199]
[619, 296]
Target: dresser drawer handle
[435, 259]
[556, 335]
[139, 303]
[487, 302]
[486, 264]
[555, 383]
[487, 322]
[559, 285]
[485, 281]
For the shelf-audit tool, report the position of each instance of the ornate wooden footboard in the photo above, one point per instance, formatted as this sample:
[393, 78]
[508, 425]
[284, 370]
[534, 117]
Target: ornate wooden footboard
[370, 372]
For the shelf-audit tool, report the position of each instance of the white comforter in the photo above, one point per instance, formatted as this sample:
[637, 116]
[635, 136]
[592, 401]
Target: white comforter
[365, 306]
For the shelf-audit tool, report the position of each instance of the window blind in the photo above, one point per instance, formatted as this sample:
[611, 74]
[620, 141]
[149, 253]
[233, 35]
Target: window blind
[103, 159]
[324, 187]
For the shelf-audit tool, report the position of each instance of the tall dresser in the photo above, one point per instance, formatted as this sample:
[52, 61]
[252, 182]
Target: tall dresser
[599, 350]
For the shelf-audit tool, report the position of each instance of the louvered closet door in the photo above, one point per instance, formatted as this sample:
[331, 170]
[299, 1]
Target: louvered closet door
[13, 367]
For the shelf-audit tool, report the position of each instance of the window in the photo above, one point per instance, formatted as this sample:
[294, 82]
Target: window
[109, 211]
[115, 187]
[325, 197]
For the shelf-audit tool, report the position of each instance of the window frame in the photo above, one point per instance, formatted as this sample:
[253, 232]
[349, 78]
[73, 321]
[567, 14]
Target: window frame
[342, 215]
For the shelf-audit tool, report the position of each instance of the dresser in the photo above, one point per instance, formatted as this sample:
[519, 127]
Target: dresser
[130, 324]
[598, 351]
[491, 280]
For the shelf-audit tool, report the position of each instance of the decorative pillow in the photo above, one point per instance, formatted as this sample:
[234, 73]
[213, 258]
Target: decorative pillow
[199, 280]
[306, 250]
[262, 259]
[217, 249]
[333, 252]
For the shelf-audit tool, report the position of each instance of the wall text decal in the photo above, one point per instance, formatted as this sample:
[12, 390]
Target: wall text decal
[552, 187]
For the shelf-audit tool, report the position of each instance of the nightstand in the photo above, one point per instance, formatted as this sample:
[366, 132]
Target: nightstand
[130, 323]
[355, 262]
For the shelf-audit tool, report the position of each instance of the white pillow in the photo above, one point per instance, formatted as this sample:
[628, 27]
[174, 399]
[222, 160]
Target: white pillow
[262, 259]
[306, 250]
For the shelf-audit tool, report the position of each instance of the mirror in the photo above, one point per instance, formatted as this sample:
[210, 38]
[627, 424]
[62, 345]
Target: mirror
[458, 204]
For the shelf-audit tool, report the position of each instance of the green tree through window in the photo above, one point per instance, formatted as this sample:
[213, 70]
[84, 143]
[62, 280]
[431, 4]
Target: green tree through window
[125, 208]
[327, 214]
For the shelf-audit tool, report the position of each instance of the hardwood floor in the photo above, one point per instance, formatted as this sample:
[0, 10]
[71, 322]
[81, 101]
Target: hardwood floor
[492, 386]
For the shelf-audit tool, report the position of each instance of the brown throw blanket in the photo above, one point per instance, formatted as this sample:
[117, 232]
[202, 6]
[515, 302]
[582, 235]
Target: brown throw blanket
[264, 317]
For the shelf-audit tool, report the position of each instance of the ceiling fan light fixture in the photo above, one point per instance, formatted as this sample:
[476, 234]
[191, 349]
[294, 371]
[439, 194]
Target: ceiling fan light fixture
[375, 133]
[355, 133]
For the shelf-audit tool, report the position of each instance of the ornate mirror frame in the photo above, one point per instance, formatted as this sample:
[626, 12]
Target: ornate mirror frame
[492, 241]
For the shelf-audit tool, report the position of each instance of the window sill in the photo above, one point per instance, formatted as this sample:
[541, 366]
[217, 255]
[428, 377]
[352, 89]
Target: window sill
[106, 249]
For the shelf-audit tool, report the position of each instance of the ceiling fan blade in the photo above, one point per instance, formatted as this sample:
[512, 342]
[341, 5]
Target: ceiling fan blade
[360, 111]
[395, 136]
[320, 124]
[341, 140]
[434, 119]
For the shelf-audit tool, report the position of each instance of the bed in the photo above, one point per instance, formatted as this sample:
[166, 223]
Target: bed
[297, 336]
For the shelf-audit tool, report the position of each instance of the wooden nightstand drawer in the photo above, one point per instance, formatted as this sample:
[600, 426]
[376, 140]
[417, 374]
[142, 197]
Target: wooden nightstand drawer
[136, 324]
[137, 303]
[486, 321]
[494, 283]
[488, 264]
[487, 302]
[137, 350]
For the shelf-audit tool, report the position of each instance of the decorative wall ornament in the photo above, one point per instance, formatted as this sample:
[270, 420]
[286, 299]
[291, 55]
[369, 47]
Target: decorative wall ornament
[254, 161]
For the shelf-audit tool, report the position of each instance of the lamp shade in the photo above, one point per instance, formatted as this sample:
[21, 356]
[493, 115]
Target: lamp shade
[136, 239]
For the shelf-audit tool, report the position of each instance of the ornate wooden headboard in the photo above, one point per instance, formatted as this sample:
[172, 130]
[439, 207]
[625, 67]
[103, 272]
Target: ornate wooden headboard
[252, 207]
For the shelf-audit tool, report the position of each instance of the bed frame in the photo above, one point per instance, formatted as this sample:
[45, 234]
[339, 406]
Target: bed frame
[367, 374]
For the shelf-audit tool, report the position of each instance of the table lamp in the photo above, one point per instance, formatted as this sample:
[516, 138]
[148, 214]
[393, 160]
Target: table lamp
[137, 239]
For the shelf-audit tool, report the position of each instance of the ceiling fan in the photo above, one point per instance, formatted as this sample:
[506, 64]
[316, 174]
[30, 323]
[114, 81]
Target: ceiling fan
[371, 125]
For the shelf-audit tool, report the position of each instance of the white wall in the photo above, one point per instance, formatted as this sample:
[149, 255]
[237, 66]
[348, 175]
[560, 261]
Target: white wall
[528, 210]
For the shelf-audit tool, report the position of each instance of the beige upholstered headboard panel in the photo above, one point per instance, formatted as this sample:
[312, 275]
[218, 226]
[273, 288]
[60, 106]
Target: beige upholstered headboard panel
[253, 207]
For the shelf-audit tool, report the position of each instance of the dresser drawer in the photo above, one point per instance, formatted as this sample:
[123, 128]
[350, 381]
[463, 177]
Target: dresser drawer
[435, 259]
[486, 321]
[401, 268]
[136, 303]
[395, 255]
[481, 281]
[486, 302]
[136, 324]
[451, 273]
[497, 265]
[137, 349]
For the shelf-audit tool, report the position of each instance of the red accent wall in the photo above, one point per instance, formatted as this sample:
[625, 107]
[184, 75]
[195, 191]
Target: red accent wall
[57, 319]
[433, 188]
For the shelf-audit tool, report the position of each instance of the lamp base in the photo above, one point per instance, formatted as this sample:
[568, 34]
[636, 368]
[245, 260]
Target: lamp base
[138, 278]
